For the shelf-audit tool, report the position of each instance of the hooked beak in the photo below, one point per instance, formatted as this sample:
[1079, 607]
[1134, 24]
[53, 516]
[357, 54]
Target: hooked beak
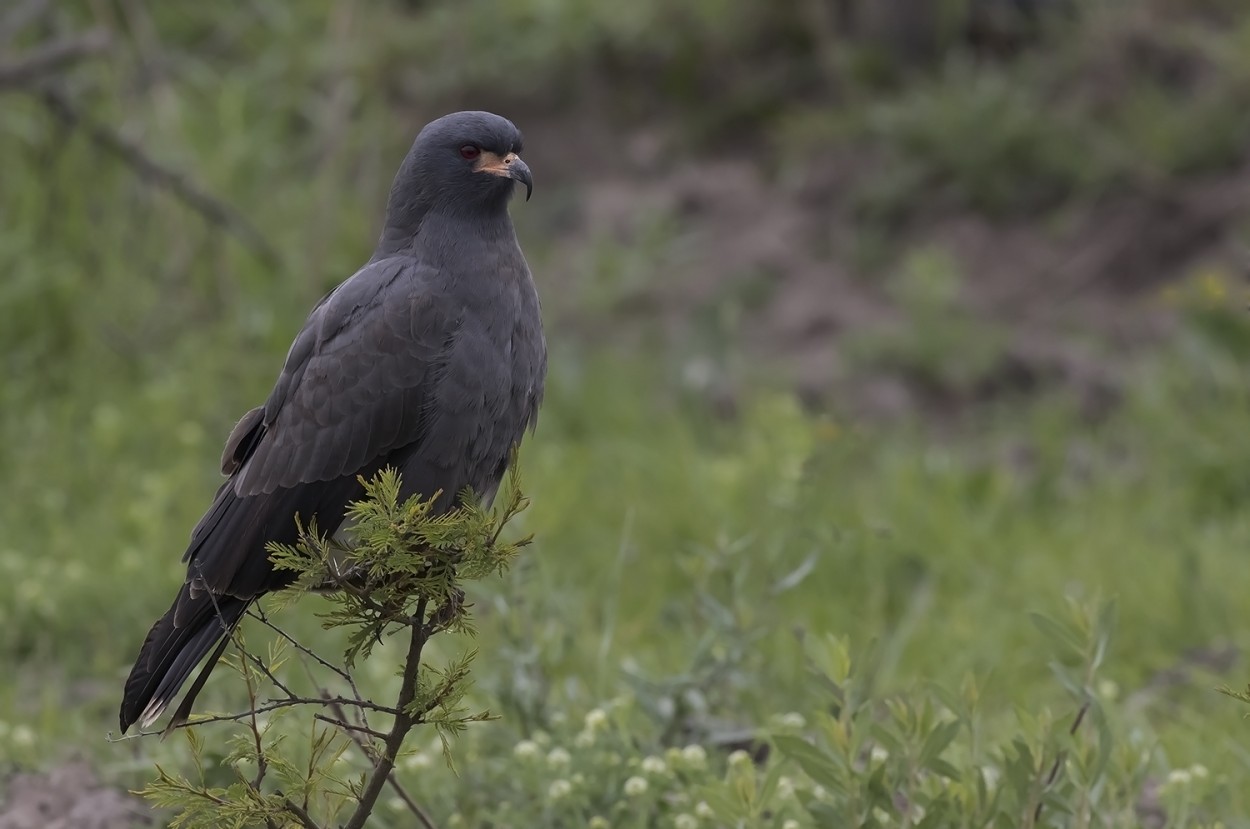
[509, 166]
[518, 170]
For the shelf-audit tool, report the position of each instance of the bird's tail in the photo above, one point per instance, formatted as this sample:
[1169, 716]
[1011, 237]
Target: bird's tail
[173, 647]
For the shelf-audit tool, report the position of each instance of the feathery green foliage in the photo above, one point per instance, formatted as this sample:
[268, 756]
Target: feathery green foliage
[401, 571]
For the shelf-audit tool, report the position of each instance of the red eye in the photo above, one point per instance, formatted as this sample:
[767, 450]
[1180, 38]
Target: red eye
[470, 152]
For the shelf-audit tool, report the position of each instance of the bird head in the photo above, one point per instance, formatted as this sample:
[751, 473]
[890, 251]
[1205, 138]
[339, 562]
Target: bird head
[466, 162]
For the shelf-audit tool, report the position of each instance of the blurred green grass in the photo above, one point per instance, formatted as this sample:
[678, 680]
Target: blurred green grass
[677, 548]
[646, 509]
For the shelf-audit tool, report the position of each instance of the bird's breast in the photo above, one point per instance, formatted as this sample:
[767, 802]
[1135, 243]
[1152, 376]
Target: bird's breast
[489, 386]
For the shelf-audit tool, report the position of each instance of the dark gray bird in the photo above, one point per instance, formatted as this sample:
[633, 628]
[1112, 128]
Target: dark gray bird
[430, 358]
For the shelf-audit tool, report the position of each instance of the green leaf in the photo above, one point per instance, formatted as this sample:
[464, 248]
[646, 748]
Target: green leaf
[1062, 636]
[936, 742]
[831, 656]
[1066, 678]
[1104, 628]
[769, 787]
[823, 768]
[946, 769]
[796, 576]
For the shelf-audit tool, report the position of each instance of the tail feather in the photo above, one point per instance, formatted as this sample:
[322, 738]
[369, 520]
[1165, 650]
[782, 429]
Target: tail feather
[171, 651]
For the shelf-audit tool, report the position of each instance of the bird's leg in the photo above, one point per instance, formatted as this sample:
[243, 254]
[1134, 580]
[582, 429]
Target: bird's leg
[441, 618]
[344, 575]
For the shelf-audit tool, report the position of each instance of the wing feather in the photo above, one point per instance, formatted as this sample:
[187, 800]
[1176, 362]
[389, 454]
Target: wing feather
[352, 390]
[351, 398]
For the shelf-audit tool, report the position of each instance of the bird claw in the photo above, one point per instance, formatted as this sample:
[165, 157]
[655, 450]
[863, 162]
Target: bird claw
[447, 611]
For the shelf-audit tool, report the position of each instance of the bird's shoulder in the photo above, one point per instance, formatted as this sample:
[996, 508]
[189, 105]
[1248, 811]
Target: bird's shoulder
[354, 380]
[391, 308]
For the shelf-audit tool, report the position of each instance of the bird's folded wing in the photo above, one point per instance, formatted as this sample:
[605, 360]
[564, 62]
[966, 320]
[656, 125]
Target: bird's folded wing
[357, 388]
[357, 383]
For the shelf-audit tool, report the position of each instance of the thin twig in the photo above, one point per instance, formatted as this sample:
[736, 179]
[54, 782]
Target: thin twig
[213, 210]
[1059, 758]
[51, 58]
[371, 752]
[347, 726]
[362, 719]
[412, 805]
[260, 616]
[404, 721]
[263, 668]
[273, 705]
[261, 764]
[301, 814]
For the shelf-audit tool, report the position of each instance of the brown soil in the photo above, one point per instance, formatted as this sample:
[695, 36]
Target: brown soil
[69, 797]
[1077, 294]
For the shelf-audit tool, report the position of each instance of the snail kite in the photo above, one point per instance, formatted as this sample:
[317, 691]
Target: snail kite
[430, 359]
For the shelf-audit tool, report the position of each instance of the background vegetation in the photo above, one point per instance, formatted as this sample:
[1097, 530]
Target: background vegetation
[875, 331]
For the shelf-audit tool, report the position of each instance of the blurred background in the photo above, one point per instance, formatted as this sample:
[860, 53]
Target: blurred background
[894, 320]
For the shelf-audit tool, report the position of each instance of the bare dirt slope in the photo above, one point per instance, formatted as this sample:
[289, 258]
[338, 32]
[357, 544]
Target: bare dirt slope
[1073, 295]
[69, 797]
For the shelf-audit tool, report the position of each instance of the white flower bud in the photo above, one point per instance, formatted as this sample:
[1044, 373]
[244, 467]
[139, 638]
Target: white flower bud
[654, 765]
[695, 756]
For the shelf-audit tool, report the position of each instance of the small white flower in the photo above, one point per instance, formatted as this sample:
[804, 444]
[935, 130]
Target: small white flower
[584, 739]
[1179, 777]
[596, 718]
[559, 789]
[739, 759]
[879, 754]
[703, 810]
[785, 788]
[820, 792]
[525, 750]
[636, 786]
[992, 775]
[558, 758]
[695, 756]
[685, 821]
[1199, 771]
[654, 765]
[790, 824]
[792, 720]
